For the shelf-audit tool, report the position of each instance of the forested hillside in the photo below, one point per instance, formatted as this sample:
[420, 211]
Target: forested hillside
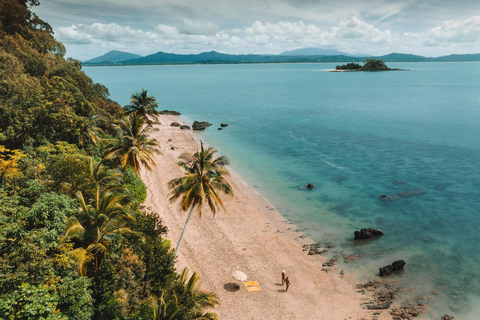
[74, 241]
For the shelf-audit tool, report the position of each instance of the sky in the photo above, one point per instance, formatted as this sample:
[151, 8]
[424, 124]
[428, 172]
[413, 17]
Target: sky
[91, 28]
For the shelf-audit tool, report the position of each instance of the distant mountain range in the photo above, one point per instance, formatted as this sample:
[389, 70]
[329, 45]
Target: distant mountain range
[114, 56]
[295, 56]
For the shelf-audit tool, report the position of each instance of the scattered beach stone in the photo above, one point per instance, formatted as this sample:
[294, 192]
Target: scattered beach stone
[309, 186]
[330, 263]
[185, 127]
[169, 140]
[407, 312]
[219, 128]
[396, 266]
[367, 233]
[223, 125]
[353, 257]
[175, 124]
[170, 112]
[447, 317]
[200, 125]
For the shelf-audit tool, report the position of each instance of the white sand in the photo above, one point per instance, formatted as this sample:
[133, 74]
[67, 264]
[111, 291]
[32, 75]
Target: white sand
[250, 236]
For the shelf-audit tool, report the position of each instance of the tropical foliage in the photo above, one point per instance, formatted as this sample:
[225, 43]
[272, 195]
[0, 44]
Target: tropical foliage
[132, 147]
[74, 240]
[203, 179]
[369, 65]
[144, 105]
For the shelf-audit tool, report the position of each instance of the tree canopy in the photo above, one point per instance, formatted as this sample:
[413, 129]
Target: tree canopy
[74, 241]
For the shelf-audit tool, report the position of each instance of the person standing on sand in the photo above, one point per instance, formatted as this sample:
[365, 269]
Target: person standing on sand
[284, 275]
[287, 282]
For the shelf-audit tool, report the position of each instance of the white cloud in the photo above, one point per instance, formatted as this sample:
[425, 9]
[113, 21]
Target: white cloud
[359, 30]
[459, 31]
[350, 35]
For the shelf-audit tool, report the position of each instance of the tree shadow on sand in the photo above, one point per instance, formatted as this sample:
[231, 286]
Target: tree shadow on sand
[231, 287]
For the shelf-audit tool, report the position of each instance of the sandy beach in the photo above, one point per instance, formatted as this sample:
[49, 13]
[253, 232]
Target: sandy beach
[251, 236]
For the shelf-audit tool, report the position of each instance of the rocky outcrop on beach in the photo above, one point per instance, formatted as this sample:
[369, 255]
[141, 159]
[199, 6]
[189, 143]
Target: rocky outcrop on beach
[175, 124]
[169, 112]
[185, 127]
[314, 248]
[383, 294]
[367, 233]
[200, 125]
[223, 125]
[405, 194]
[394, 267]
[309, 186]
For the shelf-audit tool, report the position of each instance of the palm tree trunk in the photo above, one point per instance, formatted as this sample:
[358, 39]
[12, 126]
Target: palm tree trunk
[183, 231]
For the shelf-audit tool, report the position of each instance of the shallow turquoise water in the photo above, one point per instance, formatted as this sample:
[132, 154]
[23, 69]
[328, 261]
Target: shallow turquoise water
[351, 135]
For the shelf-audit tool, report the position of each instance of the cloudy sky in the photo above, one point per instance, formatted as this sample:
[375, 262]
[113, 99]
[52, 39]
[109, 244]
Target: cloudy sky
[90, 28]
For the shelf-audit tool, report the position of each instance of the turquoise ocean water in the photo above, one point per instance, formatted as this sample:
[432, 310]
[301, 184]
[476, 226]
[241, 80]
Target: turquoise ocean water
[354, 136]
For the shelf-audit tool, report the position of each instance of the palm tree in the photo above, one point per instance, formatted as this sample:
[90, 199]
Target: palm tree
[185, 300]
[97, 227]
[203, 178]
[133, 147]
[144, 105]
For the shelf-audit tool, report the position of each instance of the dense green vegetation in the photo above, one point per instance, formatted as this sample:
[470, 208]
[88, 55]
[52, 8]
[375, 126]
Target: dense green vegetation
[369, 65]
[74, 242]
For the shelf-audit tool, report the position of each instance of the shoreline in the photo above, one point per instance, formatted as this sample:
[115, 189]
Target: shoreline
[254, 238]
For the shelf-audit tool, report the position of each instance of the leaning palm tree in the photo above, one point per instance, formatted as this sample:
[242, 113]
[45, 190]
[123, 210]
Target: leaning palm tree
[203, 178]
[98, 226]
[143, 105]
[133, 147]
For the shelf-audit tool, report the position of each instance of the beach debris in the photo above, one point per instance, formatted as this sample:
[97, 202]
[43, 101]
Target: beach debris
[314, 248]
[223, 125]
[367, 233]
[185, 127]
[351, 258]
[330, 262]
[310, 186]
[175, 124]
[169, 112]
[396, 266]
[200, 125]
[404, 194]
[407, 312]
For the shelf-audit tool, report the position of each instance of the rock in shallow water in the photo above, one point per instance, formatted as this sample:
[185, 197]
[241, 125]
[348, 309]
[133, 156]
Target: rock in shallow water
[367, 233]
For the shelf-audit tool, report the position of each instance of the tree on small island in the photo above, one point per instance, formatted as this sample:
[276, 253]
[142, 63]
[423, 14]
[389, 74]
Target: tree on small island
[369, 65]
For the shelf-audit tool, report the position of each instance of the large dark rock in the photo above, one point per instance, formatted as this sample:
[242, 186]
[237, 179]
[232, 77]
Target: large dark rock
[173, 113]
[184, 127]
[396, 266]
[175, 124]
[367, 233]
[223, 125]
[200, 125]
[309, 186]
[387, 270]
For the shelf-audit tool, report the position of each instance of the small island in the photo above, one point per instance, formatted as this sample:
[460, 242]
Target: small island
[369, 65]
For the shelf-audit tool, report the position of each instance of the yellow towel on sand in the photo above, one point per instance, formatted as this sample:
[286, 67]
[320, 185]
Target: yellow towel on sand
[252, 286]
